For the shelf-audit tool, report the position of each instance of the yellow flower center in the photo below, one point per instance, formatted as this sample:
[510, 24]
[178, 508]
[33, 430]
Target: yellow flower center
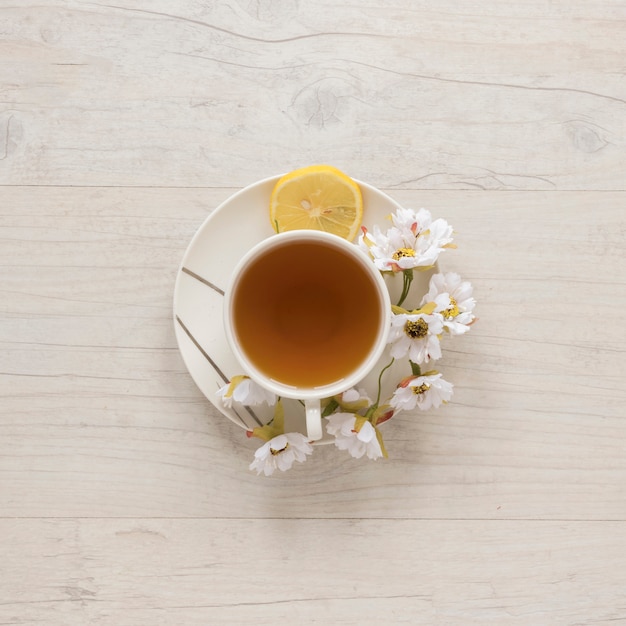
[423, 388]
[275, 452]
[417, 329]
[452, 310]
[402, 252]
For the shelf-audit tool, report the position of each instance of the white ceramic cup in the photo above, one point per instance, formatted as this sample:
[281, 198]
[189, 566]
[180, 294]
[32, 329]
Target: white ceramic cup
[310, 395]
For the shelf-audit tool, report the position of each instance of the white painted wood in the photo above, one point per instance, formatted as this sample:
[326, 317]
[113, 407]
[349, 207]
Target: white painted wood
[231, 571]
[125, 497]
[414, 95]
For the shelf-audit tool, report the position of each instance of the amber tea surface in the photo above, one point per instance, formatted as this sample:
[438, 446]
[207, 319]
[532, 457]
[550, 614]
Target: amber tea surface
[306, 314]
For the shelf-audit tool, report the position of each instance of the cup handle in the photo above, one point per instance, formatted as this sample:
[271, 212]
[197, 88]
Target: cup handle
[313, 419]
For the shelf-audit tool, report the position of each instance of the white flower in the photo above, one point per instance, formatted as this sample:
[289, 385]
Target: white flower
[342, 426]
[353, 400]
[422, 392]
[280, 453]
[435, 240]
[454, 301]
[411, 223]
[413, 241]
[392, 251]
[244, 390]
[416, 334]
[354, 395]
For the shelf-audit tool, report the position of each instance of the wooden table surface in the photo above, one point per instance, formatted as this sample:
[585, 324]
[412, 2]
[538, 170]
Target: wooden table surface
[125, 497]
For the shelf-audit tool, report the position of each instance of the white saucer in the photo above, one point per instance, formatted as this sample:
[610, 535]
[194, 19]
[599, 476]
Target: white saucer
[226, 235]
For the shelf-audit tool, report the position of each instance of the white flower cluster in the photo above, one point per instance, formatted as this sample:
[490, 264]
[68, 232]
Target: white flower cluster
[423, 392]
[412, 243]
[281, 452]
[357, 436]
[243, 390]
[448, 306]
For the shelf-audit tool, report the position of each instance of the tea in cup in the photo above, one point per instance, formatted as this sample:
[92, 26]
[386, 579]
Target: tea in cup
[307, 316]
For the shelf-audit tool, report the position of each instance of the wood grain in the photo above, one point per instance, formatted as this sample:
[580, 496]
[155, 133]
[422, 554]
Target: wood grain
[487, 96]
[312, 571]
[125, 496]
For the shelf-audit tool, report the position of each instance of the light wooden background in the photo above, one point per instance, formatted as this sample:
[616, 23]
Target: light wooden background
[125, 497]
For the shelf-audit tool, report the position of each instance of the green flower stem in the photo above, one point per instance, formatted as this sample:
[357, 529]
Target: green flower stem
[407, 278]
[373, 408]
[330, 407]
[415, 368]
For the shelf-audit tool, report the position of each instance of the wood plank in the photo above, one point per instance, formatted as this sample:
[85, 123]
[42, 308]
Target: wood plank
[100, 418]
[232, 571]
[492, 96]
[125, 496]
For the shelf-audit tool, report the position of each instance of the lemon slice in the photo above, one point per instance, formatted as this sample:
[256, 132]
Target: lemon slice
[319, 197]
